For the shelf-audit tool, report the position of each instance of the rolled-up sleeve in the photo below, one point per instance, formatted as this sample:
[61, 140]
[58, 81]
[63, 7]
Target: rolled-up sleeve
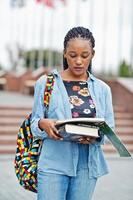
[38, 110]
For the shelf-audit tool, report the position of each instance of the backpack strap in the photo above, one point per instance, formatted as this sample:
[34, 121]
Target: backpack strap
[48, 89]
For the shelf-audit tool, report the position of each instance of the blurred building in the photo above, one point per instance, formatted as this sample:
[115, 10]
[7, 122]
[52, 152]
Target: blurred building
[32, 25]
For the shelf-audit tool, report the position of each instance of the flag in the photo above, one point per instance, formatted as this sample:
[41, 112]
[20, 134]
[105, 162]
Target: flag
[48, 3]
[63, 1]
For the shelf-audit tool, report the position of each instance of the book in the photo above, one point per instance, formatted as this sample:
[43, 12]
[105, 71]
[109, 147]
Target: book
[90, 123]
[76, 128]
[114, 139]
[72, 132]
[82, 130]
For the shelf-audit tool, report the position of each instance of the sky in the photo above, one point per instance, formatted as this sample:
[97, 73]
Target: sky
[37, 26]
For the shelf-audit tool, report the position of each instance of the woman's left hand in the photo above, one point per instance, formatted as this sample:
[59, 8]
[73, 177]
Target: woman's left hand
[87, 140]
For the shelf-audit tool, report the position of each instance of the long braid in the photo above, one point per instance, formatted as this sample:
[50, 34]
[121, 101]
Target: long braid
[77, 32]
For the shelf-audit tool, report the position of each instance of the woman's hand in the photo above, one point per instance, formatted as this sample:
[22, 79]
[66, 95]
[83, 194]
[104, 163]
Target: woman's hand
[48, 125]
[87, 140]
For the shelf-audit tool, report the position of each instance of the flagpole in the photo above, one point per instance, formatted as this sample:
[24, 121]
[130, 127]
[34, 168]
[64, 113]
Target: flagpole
[91, 13]
[20, 37]
[131, 48]
[33, 29]
[77, 17]
[11, 35]
[26, 36]
[105, 22]
[50, 50]
[40, 56]
[120, 31]
[14, 37]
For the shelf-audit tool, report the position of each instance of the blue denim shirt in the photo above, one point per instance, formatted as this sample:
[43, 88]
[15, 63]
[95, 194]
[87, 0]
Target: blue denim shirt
[61, 157]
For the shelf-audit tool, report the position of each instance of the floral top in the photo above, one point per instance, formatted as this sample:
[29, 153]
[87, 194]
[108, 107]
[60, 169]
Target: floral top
[80, 99]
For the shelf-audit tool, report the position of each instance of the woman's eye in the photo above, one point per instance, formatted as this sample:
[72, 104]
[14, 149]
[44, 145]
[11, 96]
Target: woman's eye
[72, 55]
[85, 56]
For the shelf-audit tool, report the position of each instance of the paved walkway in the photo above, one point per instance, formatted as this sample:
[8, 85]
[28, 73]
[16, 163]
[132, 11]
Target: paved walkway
[117, 185]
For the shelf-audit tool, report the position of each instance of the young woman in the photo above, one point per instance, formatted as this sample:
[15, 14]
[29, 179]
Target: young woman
[68, 170]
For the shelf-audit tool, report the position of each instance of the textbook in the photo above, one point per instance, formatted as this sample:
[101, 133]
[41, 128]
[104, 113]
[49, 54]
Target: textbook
[82, 130]
[89, 121]
[76, 128]
[72, 132]
[70, 129]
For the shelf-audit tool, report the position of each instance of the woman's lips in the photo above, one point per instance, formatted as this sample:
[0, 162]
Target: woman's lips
[78, 68]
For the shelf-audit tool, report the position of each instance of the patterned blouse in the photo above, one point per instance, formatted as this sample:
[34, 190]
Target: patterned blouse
[80, 99]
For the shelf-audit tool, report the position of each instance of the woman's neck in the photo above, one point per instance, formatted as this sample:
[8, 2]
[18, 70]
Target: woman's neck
[68, 76]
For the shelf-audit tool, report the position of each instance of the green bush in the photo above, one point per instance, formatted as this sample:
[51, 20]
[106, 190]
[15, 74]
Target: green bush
[34, 59]
[125, 70]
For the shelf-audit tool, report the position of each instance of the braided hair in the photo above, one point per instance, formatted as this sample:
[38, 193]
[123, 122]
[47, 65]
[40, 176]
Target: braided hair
[77, 32]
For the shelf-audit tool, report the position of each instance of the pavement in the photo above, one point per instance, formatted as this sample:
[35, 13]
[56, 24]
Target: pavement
[117, 185]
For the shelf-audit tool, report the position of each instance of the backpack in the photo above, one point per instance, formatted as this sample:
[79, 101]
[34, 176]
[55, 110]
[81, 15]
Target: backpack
[28, 148]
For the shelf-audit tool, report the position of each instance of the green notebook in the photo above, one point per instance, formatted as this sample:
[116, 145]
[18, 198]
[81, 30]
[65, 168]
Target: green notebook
[106, 130]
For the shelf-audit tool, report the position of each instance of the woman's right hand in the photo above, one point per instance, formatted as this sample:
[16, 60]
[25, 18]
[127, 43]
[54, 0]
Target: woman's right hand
[48, 125]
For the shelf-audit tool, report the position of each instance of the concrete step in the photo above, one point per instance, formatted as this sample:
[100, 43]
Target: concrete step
[9, 130]
[127, 115]
[119, 108]
[7, 149]
[14, 107]
[126, 139]
[124, 122]
[109, 148]
[8, 121]
[8, 139]
[14, 113]
[8, 142]
[124, 130]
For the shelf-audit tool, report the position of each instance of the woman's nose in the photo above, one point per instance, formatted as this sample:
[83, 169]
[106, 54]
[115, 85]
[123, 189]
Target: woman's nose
[78, 60]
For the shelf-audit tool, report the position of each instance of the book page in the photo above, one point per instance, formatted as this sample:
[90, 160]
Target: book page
[81, 120]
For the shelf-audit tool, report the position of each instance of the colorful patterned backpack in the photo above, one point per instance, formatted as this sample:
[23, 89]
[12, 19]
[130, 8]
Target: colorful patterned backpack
[28, 148]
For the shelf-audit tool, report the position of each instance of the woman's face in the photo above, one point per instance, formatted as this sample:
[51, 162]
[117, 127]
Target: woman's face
[78, 54]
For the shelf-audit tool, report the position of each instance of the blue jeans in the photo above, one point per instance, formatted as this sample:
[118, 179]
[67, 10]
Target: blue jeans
[63, 187]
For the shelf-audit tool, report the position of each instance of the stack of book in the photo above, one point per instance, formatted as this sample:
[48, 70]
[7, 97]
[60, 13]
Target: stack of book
[76, 128]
